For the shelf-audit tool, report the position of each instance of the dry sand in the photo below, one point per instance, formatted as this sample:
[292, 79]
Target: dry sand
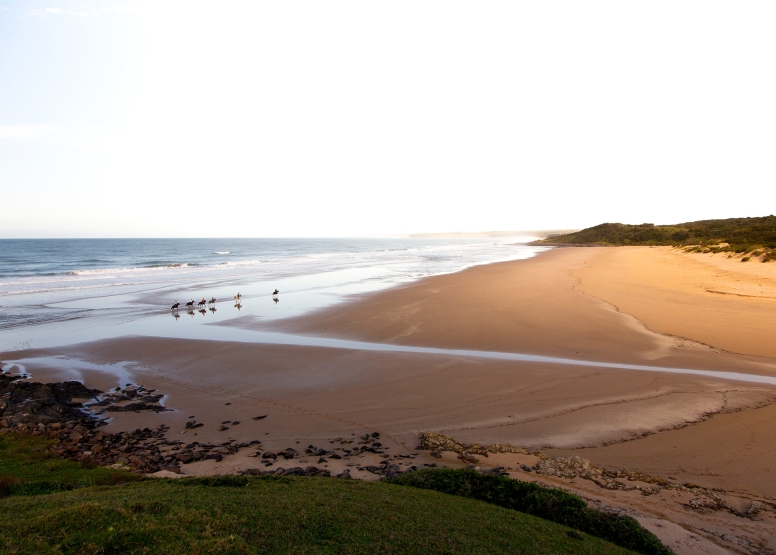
[710, 298]
[637, 305]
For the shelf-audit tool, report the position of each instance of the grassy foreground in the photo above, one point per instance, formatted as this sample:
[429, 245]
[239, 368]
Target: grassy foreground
[275, 515]
[26, 469]
[54, 506]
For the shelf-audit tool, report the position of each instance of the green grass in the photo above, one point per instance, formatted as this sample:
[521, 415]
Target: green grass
[276, 515]
[741, 234]
[26, 468]
[549, 503]
[58, 506]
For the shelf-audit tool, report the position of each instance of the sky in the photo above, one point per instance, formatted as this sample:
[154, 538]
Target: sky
[350, 118]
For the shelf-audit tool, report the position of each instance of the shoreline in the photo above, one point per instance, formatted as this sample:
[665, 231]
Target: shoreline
[643, 348]
[554, 304]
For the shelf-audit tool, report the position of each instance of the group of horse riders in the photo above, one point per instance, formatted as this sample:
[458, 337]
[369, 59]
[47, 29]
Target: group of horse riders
[212, 302]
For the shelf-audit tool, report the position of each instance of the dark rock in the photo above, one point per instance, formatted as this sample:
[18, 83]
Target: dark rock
[37, 403]
[131, 407]
[288, 453]
[316, 472]
[260, 417]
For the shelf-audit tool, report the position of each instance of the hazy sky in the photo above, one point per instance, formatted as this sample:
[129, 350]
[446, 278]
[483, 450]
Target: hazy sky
[329, 118]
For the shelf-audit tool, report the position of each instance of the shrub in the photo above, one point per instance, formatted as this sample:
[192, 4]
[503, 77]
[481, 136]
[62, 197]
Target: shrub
[745, 259]
[548, 503]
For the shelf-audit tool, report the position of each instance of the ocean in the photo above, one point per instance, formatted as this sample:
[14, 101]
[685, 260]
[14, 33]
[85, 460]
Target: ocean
[51, 287]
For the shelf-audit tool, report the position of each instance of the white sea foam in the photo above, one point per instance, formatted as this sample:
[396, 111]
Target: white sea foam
[53, 280]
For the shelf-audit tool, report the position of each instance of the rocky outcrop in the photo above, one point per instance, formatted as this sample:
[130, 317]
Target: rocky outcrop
[49, 410]
[573, 467]
[23, 402]
[437, 442]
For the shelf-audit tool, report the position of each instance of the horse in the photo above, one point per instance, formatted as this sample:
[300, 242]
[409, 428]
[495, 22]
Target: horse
[212, 301]
[190, 304]
[237, 297]
[175, 306]
[202, 303]
[275, 292]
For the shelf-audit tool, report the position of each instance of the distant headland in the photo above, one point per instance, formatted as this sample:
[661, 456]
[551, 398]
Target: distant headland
[735, 235]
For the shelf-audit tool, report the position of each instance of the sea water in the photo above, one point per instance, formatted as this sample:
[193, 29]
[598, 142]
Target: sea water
[54, 291]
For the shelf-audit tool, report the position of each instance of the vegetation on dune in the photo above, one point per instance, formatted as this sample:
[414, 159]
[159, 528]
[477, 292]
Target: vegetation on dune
[739, 235]
[267, 514]
[548, 503]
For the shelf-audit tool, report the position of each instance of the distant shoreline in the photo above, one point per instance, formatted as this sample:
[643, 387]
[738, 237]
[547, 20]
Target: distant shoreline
[485, 234]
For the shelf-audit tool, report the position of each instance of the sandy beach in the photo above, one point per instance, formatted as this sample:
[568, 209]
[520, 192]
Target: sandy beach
[654, 306]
